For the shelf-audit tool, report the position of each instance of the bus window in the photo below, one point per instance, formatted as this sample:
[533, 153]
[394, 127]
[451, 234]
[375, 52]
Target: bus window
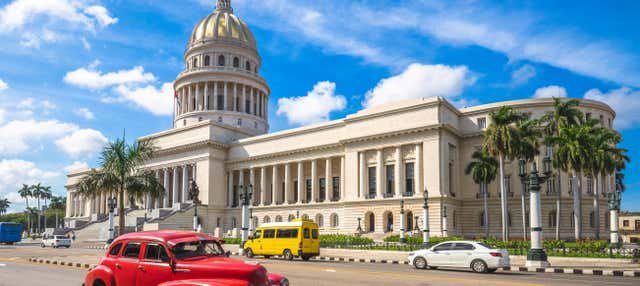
[314, 234]
[269, 233]
[306, 233]
[287, 233]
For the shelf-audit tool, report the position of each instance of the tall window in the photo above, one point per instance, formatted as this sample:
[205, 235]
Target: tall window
[235, 196]
[372, 182]
[409, 221]
[248, 66]
[295, 191]
[221, 60]
[482, 123]
[236, 62]
[308, 194]
[336, 188]
[320, 220]
[323, 189]
[592, 220]
[389, 222]
[552, 218]
[482, 214]
[207, 61]
[247, 106]
[408, 182]
[390, 181]
[220, 102]
[573, 219]
[195, 62]
[334, 220]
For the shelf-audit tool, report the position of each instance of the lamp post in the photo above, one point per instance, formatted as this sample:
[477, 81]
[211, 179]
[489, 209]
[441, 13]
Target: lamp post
[245, 197]
[425, 220]
[614, 207]
[194, 195]
[402, 239]
[359, 228]
[445, 232]
[111, 203]
[536, 256]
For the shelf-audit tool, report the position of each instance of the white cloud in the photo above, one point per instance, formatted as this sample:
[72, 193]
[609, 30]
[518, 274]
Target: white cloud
[77, 165]
[550, 91]
[85, 43]
[523, 75]
[421, 81]
[15, 172]
[16, 135]
[14, 198]
[314, 107]
[84, 113]
[47, 104]
[157, 101]
[625, 101]
[91, 78]
[30, 103]
[3, 85]
[83, 142]
[101, 15]
[2, 115]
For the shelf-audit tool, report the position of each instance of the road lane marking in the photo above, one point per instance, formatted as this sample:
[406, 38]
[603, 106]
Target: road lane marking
[2, 265]
[415, 276]
[330, 270]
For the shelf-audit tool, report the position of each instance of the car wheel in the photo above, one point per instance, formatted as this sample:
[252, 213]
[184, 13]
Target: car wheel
[267, 256]
[420, 263]
[42, 245]
[249, 253]
[478, 266]
[287, 254]
[306, 257]
[491, 270]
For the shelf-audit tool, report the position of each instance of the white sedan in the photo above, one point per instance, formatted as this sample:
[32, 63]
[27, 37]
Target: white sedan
[56, 241]
[479, 257]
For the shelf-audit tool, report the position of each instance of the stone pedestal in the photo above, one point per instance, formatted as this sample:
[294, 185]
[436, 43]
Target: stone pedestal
[537, 258]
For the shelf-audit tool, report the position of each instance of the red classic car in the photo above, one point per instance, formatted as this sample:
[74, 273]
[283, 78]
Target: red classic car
[175, 258]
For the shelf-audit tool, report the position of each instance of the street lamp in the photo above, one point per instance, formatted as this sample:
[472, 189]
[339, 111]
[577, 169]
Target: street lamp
[536, 256]
[614, 207]
[425, 215]
[359, 228]
[245, 197]
[402, 239]
[111, 203]
[445, 222]
[194, 195]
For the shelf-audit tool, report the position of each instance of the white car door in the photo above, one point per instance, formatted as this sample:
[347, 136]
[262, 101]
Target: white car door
[461, 254]
[439, 255]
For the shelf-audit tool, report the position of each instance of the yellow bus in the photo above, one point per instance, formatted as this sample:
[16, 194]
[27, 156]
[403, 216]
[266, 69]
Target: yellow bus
[298, 238]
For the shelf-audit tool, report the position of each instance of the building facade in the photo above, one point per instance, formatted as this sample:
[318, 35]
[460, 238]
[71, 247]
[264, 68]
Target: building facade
[346, 174]
[629, 227]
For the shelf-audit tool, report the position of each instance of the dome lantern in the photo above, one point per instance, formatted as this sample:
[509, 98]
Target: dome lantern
[224, 5]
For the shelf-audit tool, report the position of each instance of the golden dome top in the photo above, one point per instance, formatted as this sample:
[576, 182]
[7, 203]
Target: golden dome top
[222, 25]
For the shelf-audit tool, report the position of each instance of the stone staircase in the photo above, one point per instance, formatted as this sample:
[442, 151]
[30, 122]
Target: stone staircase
[98, 231]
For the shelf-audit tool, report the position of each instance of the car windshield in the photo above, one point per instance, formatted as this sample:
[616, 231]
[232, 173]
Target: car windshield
[197, 248]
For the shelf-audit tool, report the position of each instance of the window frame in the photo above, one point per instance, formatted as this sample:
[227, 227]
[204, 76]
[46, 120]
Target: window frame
[132, 242]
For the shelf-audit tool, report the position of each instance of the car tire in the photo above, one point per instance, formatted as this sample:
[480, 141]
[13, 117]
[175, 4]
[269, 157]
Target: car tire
[287, 254]
[306, 257]
[249, 253]
[267, 256]
[420, 263]
[42, 245]
[491, 270]
[479, 266]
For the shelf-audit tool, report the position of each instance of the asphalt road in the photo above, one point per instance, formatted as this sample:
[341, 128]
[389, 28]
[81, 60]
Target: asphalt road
[14, 270]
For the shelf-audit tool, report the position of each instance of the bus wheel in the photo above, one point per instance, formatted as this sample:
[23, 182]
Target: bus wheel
[249, 253]
[306, 257]
[267, 256]
[287, 254]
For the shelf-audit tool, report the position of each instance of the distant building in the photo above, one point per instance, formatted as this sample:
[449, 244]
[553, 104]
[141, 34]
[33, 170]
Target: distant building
[629, 227]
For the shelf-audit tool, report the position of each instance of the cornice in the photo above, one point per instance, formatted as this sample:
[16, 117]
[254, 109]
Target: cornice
[192, 146]
[362, 115]
[284, 153]
[289, 133]
[394, 134]
[532, 102]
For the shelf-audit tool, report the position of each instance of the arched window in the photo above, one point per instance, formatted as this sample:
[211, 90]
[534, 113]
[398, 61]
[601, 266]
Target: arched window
[218, 221]
[254, 222]
[370, 222]
[278, 219]
[207, 61]
[592, 219]
[320, 220]
[221, 60]
[248, 66]
[266, 219]
[482, 224]
[388, 220]
[234, 222]
[409, 223]
[305, 217]
[552, 219]
[236, 62]
[291, 217]
[334, 220]
[195, 62]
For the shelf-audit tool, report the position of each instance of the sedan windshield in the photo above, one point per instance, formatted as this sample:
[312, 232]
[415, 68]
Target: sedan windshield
[198, 248]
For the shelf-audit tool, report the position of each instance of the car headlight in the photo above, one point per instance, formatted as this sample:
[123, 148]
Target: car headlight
[284, 282]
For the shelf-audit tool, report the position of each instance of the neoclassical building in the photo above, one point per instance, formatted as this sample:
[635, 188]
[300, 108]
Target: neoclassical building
[337, 173]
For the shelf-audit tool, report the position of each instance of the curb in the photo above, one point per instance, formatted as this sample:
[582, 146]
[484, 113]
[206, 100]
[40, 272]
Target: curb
[62, 263]
[96, 247]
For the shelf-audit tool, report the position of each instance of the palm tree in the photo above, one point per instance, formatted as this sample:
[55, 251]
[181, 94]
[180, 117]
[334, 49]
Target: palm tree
[36, 191]
[528, 146]
[564, 114]
[46, 195]
[119, 171]
[483, 170]
[500, 140]
[57, 203]
[4, 206]
[31, 211]
[25, 193]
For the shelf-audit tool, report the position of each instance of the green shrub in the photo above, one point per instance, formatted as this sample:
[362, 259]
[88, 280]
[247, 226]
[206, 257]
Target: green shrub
[343, 239]
[232, 240]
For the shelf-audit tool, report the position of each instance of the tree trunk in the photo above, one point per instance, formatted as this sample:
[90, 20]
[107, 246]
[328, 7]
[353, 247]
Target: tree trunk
[596, 205]
[28, 217]
[121, 218]
[524, 212]
[558, 197]
[38, 215]
[577, 209]
[503, 201]
[486, 210]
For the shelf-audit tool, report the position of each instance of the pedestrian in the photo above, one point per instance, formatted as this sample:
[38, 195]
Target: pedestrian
[73, 236]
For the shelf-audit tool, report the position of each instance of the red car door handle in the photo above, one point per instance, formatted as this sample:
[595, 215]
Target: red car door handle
[141, 268]
[118, 266]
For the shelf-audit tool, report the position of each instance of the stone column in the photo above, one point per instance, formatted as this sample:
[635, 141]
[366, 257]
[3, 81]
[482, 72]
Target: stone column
[176, 186]
[226, 98]
[613, 225]
[215, 96]
[343, 191]
[157, 200]
[287, 183]
[362, 174]
[189, 95]
[206, 96]
[328, 181]
[244, 98]
[275, 181]
[241, 180]
[263, 186]
[185, 183]
[198, 100]
[379, 174]
[252, 182]
[252, 101]
[300, 181]
[235, 97]
[230, 189]
[314, 180]
[398, 172]
[418, 171]
[167, 186]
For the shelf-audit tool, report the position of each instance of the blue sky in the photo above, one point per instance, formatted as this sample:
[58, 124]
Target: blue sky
[75, 73]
